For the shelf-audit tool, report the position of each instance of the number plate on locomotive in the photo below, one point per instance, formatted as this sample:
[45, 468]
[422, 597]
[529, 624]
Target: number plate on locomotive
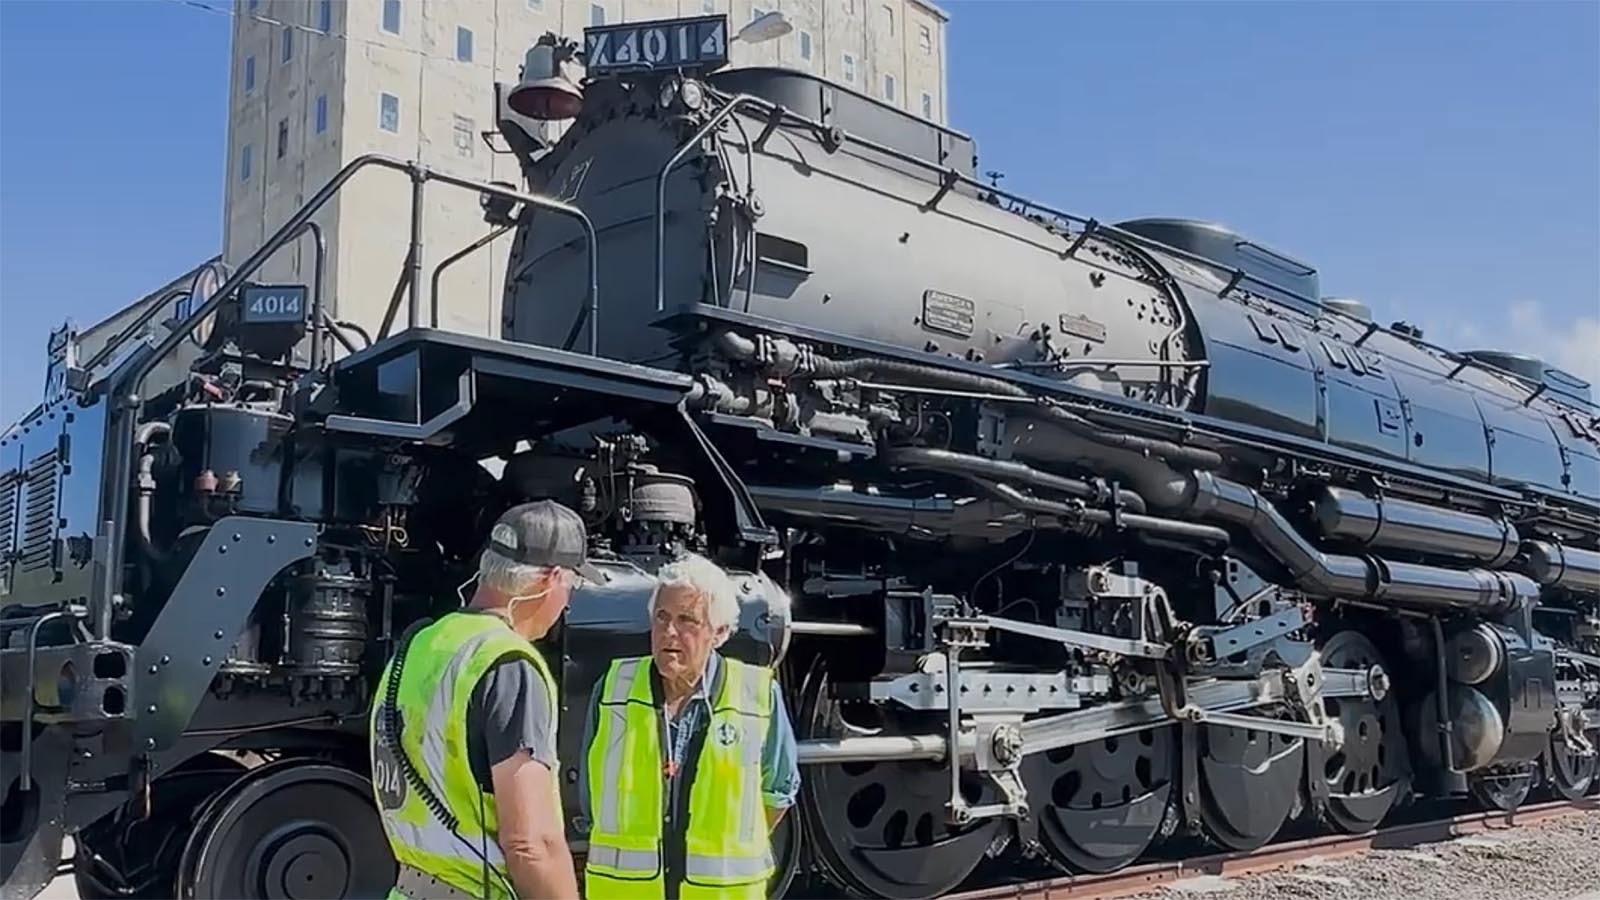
[698, 43]
[273, 303]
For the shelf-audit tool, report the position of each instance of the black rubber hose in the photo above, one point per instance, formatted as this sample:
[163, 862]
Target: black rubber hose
[1188, 457]
[999, 469]
[823, 367]
[1152, 524]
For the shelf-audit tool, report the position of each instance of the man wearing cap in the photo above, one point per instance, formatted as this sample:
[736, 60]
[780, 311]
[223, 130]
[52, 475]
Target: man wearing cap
[464, 725]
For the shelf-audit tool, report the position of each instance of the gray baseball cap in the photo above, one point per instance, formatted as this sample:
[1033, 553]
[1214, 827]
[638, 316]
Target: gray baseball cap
[545, 533]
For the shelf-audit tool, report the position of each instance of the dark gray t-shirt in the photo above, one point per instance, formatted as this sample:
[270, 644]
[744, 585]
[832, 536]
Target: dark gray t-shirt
[509, 711]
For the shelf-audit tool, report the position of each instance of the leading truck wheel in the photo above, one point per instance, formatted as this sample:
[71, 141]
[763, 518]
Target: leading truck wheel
[129, 855]
[288, 830]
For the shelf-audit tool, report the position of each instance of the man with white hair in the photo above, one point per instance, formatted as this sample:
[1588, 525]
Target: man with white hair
[690, 758]
[463, 728]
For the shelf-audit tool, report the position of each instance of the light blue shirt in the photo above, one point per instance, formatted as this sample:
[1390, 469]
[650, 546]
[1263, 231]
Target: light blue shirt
[780, 766]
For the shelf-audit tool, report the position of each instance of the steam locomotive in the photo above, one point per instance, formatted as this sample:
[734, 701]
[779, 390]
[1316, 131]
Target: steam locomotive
[1066, 538]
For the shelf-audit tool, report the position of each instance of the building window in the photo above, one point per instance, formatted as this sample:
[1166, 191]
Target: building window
[288, 43]
[283, 137]
[464, 136]
[888, 18]
[249, 74]
[244, 162]
[322, 113]
[391, 16]
[927, 105]
[389, 113]
[805, 45]
[597, 14]
[325, 15]
[924, 39]
[888, 88]
[463, 44]
[849, 68]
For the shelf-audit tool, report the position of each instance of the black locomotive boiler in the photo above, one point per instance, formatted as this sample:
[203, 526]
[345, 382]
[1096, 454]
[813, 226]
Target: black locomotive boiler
[1066, 538]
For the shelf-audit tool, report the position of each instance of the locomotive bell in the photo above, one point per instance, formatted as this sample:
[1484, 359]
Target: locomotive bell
[546, 91]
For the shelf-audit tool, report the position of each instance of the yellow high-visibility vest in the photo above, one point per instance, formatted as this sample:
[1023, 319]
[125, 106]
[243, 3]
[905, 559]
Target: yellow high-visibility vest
[728, 849]
[443, 663]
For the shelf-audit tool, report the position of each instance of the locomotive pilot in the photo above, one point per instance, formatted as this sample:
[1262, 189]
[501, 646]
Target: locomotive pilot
[690, 760]
[468, 793]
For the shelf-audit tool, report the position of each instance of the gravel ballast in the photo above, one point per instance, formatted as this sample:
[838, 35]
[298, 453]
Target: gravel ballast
[1558, 859]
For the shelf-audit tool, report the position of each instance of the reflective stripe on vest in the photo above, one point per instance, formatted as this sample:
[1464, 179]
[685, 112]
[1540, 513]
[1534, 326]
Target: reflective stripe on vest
[444, 663]
[728, 849]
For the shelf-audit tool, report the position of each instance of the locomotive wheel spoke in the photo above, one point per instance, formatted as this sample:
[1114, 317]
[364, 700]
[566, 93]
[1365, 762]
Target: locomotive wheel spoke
[1249, 783]
[1367, 774]
[1569, 773]
[290, 830]
[1503, 791]
[1100, 805]
[879, 828]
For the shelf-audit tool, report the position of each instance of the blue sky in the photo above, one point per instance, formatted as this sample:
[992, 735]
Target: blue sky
[1438, 160]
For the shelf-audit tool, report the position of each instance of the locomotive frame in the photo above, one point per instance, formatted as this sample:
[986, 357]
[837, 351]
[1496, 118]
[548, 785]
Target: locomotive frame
[1248, 609]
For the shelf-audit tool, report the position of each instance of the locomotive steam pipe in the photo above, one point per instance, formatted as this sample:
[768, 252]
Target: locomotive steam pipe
[1335, 575]
[147, 484]
[1556, 565]
[1405, 525]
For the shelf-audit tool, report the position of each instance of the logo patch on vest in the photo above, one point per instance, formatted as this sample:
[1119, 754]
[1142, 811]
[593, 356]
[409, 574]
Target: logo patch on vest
[727, 734]
[387, 780]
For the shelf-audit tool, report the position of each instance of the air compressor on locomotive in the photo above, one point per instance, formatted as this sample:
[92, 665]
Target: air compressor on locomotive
[1066, 538]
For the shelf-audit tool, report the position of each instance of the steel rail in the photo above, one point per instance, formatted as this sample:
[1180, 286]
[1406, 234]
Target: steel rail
[1140, 878]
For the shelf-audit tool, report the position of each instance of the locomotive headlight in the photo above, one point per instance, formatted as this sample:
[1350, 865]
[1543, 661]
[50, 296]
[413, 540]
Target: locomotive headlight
[669, 93]
[686, 91]
[693, 95]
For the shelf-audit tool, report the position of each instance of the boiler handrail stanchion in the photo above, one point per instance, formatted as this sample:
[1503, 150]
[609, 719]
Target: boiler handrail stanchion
[727, 110]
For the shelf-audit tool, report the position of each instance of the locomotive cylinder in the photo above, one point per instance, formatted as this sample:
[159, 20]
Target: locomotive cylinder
[1347, 515]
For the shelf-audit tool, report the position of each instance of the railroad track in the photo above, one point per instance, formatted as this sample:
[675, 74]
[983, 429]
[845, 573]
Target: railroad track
[1136, 879]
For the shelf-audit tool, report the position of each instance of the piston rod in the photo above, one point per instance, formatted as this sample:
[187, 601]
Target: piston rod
[832, 629]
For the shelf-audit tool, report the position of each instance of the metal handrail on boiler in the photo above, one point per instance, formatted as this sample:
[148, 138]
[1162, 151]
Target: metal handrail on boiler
[126, 394]
[728, 109]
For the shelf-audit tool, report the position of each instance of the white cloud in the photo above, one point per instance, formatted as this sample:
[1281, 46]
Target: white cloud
[1572, 345]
